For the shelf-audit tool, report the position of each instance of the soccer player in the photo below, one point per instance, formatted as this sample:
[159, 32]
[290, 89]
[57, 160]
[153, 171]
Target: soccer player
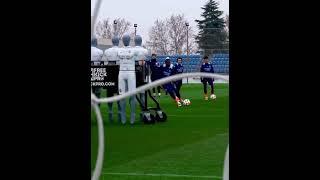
[167, 70]
[155, 68]
[208, 68]
[96, 57]
[178, 69]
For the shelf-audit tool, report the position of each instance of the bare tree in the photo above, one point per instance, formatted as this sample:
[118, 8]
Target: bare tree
[103, 29]
[106, 28]
[169, 36]
[158, 37]
[177, 32]
[121, 27]
[193, 46]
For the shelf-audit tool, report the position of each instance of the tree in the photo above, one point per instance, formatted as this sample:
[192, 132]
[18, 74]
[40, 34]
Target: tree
[103, 29]
[177, 32]
[122, 27]
[193, 46]
[212, 34]
[159, 38]
[106, 28]
[169, 36]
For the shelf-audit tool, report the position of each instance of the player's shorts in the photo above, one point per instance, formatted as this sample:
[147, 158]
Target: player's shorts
[169, 87]
[207, 80]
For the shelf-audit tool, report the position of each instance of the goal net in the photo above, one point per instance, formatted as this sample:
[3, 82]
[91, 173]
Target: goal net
[96, 101]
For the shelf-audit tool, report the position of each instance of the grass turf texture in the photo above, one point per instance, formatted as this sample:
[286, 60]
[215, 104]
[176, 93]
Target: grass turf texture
[190, 145]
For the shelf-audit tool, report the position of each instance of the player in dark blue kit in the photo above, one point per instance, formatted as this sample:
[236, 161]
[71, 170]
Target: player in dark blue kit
[208, 68]
[155, 68]
[178, 69]
[167, 70]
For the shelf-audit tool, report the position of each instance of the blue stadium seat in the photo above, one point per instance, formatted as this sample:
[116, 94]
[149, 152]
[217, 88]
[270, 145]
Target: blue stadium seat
[225, 62]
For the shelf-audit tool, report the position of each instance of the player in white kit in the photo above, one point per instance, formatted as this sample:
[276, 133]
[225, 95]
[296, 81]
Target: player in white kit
[111, 58]
[96, 57]
[127, 78]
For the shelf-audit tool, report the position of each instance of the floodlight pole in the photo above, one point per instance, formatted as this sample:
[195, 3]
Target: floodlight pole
[115, 27]
[135, 29]
[188, 60]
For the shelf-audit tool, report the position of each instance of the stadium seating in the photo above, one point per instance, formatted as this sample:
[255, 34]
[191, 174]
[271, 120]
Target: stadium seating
[220, 62]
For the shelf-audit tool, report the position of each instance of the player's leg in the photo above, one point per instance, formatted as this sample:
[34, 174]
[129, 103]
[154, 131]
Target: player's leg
[153, 78]
[205, 89]
[132, 100]
[154, 91]
[211, 85]
[159, 90]
[171, 90]
[119, 111]
[178, 87]
[212, 96]
[122, 89]
[142, 99]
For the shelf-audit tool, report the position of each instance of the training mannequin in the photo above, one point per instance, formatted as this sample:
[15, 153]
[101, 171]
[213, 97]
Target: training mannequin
[111, 58]
[127, 78]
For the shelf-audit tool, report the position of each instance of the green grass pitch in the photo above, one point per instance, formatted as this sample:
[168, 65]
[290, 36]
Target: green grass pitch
[190, 145]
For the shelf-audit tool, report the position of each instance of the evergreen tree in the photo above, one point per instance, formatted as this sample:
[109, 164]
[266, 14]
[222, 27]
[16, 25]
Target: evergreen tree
[212, 34]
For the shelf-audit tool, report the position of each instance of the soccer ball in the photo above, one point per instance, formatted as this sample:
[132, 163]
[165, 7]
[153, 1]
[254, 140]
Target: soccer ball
[186, 102]
[213, 96]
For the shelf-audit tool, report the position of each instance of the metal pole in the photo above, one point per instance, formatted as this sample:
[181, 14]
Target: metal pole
[188, 60]
[115, 27]
[135, 29]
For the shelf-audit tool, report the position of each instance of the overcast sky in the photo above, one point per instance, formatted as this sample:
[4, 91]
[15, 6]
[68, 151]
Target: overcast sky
[145, 12]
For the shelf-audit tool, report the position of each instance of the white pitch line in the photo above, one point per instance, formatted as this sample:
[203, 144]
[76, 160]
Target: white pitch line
[164, 175]
[190, 115]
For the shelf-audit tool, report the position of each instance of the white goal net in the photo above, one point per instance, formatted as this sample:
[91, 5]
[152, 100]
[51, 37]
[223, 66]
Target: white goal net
[95, 104]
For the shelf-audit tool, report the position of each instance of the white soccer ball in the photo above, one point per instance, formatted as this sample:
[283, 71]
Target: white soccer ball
[213, 96]
[186, 102]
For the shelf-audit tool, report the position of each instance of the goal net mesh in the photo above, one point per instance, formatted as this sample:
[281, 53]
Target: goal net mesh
[96, 101]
